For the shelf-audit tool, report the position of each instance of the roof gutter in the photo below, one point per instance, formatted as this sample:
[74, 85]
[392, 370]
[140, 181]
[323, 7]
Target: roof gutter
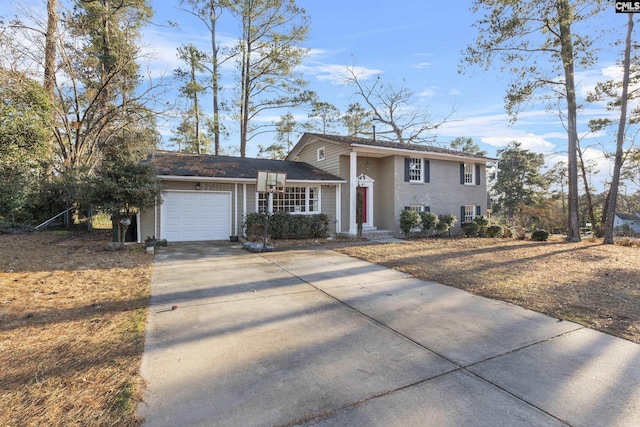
[432, 154]
[244, 180]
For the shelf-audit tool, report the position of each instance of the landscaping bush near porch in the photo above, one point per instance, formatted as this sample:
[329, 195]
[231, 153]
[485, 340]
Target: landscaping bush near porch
[286, 226]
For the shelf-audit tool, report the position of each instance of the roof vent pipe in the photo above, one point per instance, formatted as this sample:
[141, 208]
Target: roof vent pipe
[374, 133]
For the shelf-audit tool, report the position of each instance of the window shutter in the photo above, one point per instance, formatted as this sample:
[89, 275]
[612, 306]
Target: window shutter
[462, 173]
[427, 170]
[461, 214]
[427, 208]
[406, 169]
[478, 211]
[477, 174]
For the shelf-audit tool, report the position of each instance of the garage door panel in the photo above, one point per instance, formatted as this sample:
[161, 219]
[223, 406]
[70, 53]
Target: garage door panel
[189, 216]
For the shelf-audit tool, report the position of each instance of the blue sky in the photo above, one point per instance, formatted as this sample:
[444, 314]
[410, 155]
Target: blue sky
[420, 42]
[417, 41]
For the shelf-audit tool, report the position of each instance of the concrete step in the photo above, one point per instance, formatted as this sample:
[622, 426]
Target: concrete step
[377, 234]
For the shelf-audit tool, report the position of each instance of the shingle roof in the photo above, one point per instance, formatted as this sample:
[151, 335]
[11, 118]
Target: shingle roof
[350, 140]
[170, 163]
[624, 216]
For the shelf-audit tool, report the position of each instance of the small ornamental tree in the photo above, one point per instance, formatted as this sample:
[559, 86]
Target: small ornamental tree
[359, 210]
[124, 187]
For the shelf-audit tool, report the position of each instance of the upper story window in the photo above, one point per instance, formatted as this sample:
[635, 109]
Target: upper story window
[321, 153]
[469, 169]
[415, 170]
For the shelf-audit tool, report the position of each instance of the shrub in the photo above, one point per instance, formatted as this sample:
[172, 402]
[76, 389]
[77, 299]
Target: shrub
[445, 222]
[495, 231]
[409, 220]
[628, 242]
[540, 236]
[470, 229]
[482, 223]
[283, 225]
[429, 220]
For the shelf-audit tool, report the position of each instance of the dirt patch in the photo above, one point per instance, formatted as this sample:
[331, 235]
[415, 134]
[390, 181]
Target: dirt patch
[589, 283]
[72, 321]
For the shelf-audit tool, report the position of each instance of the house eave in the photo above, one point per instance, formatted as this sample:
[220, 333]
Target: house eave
[244, 180]
[362, 148]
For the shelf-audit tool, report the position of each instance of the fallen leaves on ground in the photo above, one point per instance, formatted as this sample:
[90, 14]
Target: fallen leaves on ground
[587, 282]
[71, 329]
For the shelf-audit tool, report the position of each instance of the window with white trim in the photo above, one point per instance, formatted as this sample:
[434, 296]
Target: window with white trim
[469, 169]
[416, 208]
[321, 153]
[415, 170]
[469, 213]
[303, 200]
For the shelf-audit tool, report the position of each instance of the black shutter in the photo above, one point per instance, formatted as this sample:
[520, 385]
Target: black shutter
[406, 169]
[427, 170]
[478, 212]
[461, 214]
[461, 173]
[477, 174]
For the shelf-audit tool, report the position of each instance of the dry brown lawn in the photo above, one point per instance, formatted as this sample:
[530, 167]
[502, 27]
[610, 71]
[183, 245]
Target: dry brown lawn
[72, 315]
[589, 283]
[71, 330]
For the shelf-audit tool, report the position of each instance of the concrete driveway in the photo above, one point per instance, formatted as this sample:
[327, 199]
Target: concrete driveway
[313, 337]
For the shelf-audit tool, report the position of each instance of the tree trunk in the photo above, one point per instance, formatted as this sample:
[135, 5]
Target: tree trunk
[617, 165]
[50, 50]
[214, 79]
[245, 75]
[587, 190]
[566, 41]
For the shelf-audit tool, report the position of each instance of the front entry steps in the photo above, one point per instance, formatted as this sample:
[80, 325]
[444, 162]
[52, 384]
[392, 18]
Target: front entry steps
[374, 234]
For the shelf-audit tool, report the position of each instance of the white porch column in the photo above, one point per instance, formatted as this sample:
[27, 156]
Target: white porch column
[338, 208]
[353, 181]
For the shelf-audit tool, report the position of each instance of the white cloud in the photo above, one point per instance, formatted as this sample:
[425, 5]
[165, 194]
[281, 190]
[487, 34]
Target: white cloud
[428, 92]
[532, 142]
[422, 65]
[161, 47]
[337, 74]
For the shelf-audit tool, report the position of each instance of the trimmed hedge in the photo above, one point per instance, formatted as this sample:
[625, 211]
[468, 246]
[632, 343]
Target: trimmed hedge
[408, 221]
[283, 225]
[470, 229]
[495, 231]
[540, 236]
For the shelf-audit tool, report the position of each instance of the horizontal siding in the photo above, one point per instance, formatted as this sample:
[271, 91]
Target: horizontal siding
[331, 163]
[328, 205]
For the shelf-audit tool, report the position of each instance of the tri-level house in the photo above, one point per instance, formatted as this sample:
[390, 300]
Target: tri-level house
[207, 197]
[395, 176]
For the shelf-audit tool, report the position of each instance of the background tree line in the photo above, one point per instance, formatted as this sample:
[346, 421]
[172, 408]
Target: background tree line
[75, 74]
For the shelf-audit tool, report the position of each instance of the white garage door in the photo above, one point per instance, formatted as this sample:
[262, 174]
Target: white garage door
[189, 216]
